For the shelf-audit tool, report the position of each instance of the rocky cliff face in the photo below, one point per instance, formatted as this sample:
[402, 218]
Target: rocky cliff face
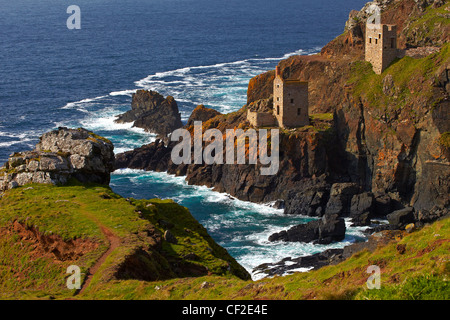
[152, 112]
[201, 113]
[386, 148]
[59, 156]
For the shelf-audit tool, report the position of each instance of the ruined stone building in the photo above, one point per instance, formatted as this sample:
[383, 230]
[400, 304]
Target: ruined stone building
[290, 105]
[381, 45]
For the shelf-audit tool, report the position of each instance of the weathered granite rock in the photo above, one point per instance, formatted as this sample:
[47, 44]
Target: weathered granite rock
[152, 112]
[329, 228]
[328, 257]
[361, 208]
[201, 113]
[341, 195]
[60, 155]
[400, 218]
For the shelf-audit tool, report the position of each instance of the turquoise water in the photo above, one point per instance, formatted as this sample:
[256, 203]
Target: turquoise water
[199, 51]
[241, 227]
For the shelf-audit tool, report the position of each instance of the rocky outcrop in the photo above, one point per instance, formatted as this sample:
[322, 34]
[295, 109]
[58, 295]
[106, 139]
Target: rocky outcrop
[59, 156]
[152, 112]
[328, 257]
[385, 149]
[330, 228]
[201, 113]
[401, 218]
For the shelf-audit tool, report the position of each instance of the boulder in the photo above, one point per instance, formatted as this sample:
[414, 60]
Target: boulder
[60, 155]
[169, 237]
[361, 203]
[361, 220]
[152, 112]
[382, 205]
[329, 228]
[400, 218]
[361, 208]
[341, 195]
[201, 113]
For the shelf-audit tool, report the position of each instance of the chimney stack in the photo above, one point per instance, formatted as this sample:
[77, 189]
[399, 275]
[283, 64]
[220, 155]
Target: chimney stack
[277, 71]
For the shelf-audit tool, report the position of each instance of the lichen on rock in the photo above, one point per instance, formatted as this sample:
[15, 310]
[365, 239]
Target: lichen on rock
[60, 155]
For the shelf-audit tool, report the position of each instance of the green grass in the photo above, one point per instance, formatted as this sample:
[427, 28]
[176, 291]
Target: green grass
[322, 116]
[429, 25]
[420, 273]
[78, 211]
[423, 287]
[412, 80]
[444, 139]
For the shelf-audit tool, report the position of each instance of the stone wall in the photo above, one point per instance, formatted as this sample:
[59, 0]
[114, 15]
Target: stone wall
[290, 102]
[295, 104]
[278, 92]
[381, 46]
[261, 119]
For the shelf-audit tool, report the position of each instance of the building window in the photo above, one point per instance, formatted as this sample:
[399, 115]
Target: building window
[278, 110]
[292, 100]
[370, 40]
[278, 98]
[379, 36]
[392, 43]
[376, 41]
[298, 111]
[278, 85]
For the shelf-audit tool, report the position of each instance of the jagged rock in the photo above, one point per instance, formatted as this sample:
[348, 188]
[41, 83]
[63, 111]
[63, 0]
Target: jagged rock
[309, 202]
[423, 217]
[315, 261]
[60, 155]
[279, 204]
[152, 112]
[362, 219]
[329, 229]
[329, 256]
[201, 113]
[361, 203]
[341, 195]
[400, 218]
[169, 237]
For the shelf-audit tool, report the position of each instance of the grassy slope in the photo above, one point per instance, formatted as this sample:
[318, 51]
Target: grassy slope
[78, 212]
[412, 80]
[421, 272]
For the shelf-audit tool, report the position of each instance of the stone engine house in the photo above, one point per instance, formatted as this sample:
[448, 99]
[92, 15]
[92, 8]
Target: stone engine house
[381, 45]
[290, 105]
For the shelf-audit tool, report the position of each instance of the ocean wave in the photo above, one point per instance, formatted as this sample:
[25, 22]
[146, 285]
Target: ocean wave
[81, 105]
[122, 93]
[222, 86]
[26, 141]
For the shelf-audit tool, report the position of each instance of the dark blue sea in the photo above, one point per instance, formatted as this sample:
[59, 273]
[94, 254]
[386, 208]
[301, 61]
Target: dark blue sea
[199, 51]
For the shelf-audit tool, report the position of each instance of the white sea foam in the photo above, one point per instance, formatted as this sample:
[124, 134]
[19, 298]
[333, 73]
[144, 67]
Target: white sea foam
[26, 141]
[221, 86]
[122, 93]
[81, 105]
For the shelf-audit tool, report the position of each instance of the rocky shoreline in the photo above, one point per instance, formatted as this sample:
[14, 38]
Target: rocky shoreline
[363, 157]
[369, 159]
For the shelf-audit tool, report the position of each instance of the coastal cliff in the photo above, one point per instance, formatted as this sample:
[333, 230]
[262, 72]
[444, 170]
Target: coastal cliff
[153, 113]
[387, 134]
[59, 156]
[377, 146]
